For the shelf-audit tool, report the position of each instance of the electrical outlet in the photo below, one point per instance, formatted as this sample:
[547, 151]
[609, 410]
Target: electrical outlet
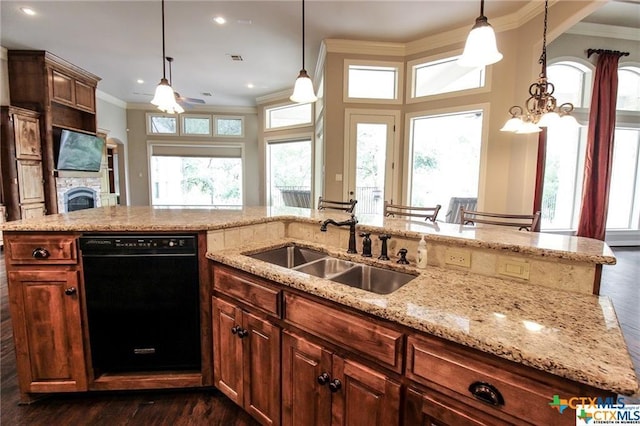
[458, 257]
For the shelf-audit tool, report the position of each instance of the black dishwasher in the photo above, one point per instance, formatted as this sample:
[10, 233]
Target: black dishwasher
[142, 296]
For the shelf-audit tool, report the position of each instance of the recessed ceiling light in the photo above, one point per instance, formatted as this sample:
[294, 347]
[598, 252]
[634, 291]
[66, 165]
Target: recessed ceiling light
[139, 81]
[28, 11]
[219, 20]
[250, 85]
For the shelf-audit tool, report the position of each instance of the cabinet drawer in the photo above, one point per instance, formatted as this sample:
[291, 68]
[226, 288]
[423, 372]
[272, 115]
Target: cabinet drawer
[433, 362]
[371, 339]
[247, 289]
[32, 250]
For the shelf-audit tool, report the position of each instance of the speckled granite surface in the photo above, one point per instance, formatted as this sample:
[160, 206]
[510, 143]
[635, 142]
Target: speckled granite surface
[570, 335]
[154, 219]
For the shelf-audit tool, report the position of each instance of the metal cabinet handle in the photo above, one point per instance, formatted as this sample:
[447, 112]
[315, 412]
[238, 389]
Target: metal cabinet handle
[242, 333]
[324, 378]
[487, 393]
[335, 385]
[40, 253]
[235, 329]
[70, 291]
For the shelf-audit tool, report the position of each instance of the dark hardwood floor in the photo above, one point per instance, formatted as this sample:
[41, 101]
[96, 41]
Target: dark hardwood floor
[209, 407]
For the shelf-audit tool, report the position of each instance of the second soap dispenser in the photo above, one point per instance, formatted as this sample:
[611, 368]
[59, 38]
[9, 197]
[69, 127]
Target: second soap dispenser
[421, 257]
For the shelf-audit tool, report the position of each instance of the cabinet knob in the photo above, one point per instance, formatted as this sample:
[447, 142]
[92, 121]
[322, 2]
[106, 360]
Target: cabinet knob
[487, 393]
[324, 378]
[70, 291]
[335, 385]
[40, 253]
[235, 329]
[242, 333]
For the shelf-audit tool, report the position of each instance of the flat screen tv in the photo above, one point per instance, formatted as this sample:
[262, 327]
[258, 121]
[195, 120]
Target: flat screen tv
[79, 151]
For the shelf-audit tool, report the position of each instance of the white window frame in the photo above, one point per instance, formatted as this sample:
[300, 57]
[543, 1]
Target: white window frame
[228, 117]
[148, 117]
[411, 65]
[267, 128]
[183, 117]
[198, 145]
[399, 83]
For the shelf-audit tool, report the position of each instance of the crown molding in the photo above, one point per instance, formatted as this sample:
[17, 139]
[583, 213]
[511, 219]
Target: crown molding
[111, 99]
[213, 109]
[274, 97]
[379, 48]
[606, 31]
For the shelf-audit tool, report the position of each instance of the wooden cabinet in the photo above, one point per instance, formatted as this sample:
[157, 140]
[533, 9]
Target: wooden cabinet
[45, 291]
[21, 157]
[62, 93]
[322, 388]
[246, 343]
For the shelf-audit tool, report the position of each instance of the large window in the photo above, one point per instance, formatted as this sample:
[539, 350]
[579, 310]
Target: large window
[444, 158]
[289, 173]
[196, 176]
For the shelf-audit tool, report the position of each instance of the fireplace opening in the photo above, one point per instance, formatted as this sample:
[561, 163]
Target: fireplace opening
[80, 198]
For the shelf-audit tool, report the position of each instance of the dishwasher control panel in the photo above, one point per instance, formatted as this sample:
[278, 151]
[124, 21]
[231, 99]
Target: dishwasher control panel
[131, 244]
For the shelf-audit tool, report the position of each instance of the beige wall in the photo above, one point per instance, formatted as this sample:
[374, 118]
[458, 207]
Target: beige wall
[138, 161]
[4, 78]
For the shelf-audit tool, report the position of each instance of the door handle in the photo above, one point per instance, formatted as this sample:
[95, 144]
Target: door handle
[70, 291]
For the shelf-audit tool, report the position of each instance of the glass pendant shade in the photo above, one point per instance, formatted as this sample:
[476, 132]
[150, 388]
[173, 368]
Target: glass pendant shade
[481, 48]
[303, 90]
[165, 98]
[512, 125]
[569, 120]
[528, 127]
[548, 119]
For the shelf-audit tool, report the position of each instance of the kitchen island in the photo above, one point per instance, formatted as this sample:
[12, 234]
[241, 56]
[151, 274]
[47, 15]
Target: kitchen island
[517, 314]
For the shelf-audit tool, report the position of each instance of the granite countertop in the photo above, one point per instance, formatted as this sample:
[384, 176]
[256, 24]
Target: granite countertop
[573, 336]
[150, 219]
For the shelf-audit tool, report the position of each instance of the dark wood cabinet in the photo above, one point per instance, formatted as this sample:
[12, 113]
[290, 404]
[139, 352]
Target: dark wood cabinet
[62, 93]
[21, 158]
[45, 293]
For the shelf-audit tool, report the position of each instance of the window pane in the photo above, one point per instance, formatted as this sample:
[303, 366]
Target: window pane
[291, 115]
[568, 82]
[371, 158]
[562, 178]
[445, 158]
[196, 125]
[229, 126]
[196, 181]
[290, 174]
[372, 82]
[445, 76]
[628, 89]
[624, 180]
[163, 124]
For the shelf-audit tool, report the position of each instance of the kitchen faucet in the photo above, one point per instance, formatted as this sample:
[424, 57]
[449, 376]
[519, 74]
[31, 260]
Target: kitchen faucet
[352, 230]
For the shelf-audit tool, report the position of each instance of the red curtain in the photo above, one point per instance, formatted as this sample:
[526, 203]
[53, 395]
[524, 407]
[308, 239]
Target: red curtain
[599, 154]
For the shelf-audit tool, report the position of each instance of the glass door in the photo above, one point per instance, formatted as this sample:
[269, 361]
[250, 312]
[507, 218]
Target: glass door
[370, 161]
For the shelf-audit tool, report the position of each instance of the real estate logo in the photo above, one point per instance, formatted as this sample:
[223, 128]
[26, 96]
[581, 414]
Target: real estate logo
[598, 411]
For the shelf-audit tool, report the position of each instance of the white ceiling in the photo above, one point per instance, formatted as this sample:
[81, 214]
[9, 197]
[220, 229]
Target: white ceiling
[120, 41]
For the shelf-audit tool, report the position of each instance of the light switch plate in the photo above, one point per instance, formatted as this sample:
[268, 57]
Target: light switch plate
[513, 268]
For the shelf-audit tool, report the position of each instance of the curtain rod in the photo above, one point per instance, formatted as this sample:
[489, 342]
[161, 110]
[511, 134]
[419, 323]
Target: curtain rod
[598, 51]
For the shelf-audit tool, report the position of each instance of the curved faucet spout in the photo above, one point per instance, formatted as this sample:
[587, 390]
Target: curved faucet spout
[351, 223]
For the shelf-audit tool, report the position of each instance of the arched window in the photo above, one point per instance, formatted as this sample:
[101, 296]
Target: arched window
[572, 83]
[628, 89]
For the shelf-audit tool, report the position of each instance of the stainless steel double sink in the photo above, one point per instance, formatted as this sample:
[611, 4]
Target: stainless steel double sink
[313, 262]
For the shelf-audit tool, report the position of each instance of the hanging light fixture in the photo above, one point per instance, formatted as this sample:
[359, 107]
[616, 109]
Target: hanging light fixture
[541, 108]
[480, 49]
[303, 92]
[165, 98]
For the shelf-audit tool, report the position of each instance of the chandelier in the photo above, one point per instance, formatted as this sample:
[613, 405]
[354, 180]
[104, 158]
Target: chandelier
[541, 109]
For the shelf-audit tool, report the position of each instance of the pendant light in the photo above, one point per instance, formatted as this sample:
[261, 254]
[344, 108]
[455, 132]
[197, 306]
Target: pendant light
[480, 49]
[165, 98]
[540, 108]
[303, 92]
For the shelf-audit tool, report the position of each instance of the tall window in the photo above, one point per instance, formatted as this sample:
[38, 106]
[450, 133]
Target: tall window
[444, 158]
[289, 173]
[196, 176]
[564, 165]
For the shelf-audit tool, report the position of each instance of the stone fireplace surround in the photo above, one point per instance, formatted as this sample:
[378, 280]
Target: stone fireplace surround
[65, 184]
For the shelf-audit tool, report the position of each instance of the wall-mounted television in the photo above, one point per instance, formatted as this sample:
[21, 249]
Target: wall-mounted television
[79, 151]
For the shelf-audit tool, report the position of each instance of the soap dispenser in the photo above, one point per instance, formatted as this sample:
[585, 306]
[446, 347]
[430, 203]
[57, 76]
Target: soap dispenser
[421, 258]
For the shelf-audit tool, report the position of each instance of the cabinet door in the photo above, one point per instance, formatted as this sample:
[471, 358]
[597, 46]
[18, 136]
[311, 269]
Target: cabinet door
[261, 346]
[227, 350]
[30, 181]
[365, 397]
[32, 210]
[304, 400]
[45, 307]
[85, 96]
[27, 137]
[62, 88]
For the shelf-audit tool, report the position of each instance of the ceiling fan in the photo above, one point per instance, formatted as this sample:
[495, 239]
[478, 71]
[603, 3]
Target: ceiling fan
[179, 98]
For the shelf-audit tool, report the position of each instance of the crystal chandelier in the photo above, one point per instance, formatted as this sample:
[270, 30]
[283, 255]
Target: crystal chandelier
[541, 109]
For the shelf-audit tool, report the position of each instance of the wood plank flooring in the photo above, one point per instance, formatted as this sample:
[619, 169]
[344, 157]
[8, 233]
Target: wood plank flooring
[209, 407]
